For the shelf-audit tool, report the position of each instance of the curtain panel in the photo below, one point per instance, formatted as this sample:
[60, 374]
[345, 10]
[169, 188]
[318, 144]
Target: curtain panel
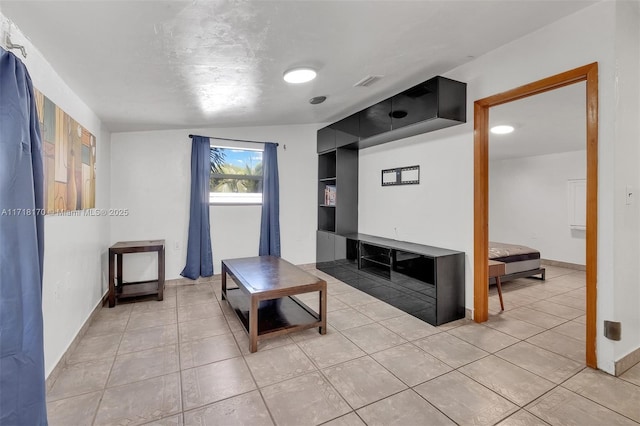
[199, 253]
[22, 378]
[270, 218]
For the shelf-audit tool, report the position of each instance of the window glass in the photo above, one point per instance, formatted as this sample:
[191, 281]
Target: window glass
[236, 176]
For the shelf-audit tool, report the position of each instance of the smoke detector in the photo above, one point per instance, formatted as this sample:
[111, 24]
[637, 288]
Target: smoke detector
[317, 100]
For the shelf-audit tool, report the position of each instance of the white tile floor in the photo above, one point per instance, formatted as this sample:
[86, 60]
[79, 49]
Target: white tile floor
[185, 361]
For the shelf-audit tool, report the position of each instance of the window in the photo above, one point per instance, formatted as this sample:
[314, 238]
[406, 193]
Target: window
[236, 176]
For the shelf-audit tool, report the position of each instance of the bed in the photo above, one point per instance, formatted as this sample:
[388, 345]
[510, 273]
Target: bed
[520, 261]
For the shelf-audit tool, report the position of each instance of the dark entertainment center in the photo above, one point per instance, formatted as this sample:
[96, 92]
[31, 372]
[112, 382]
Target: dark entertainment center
[427, 282]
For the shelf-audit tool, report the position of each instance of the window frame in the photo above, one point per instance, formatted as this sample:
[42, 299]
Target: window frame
[235, 198]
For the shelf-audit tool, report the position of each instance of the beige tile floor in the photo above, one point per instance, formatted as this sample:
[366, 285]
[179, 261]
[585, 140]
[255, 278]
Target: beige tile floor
[185, 361]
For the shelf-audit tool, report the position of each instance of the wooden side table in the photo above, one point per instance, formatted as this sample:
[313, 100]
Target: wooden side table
[118, 289]
[496, 270]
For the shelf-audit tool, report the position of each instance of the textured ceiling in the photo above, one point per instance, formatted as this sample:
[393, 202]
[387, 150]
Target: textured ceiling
[143, 65]
[547, 123]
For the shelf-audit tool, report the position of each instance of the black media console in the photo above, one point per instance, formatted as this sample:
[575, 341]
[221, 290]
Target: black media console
[426, 282]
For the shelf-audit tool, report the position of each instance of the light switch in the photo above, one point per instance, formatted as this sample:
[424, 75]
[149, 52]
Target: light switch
[628, 195]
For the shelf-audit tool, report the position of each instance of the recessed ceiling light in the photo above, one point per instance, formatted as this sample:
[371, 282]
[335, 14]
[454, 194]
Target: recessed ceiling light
[299, 75]
[501, 130]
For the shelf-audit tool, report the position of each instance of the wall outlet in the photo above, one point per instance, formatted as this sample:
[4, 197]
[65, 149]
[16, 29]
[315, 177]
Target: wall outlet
[628, 195]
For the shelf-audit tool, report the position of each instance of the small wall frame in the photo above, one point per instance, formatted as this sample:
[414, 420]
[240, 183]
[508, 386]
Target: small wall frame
[401, 176]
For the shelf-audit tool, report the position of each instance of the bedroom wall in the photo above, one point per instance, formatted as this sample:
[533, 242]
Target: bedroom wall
[528, 204]
[440, 211]
[151, 178]
[75, 247]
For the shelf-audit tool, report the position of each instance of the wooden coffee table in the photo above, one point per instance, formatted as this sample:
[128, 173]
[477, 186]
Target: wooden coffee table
[264, 300]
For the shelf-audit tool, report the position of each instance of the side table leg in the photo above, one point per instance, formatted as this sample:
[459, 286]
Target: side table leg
[112, 287]
[253, 325]
[161, 273]
[119, 257]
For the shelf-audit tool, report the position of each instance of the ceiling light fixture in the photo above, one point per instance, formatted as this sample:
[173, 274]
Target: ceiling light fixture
[501, 130]
[299, 75]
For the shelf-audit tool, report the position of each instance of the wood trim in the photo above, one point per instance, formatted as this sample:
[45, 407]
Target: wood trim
[588, 73]
[592, 213]
[481, 212]
[557, 81]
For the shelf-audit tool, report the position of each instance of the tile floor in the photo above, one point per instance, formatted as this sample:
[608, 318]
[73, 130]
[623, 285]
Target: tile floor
[185, 361]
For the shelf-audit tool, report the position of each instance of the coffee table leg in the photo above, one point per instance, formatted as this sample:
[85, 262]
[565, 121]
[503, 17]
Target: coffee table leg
[253, 325]
[224, 281]
[323, 309]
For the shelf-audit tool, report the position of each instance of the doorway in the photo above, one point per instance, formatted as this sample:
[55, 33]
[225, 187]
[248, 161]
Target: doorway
[588, 74]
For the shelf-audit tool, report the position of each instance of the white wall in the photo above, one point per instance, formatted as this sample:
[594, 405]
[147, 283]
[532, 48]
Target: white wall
[528, 204]
[431, 212]
[75, 247]
[624, 305]
[151, 178]
[440, 211]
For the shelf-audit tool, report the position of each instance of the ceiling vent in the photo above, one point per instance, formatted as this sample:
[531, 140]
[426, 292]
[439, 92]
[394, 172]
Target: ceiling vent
[368, 81]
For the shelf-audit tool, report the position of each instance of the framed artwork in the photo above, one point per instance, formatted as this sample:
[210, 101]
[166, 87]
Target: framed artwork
[69, 159]
[401, 176]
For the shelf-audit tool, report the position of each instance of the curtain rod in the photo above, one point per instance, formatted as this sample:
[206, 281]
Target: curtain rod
[10, 46]
[234, 140]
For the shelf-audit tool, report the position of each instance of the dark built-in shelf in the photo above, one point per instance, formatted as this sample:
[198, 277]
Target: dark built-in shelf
[338, 167]
[380, 260]
[431, 105]
[427, 282]
[401, 245]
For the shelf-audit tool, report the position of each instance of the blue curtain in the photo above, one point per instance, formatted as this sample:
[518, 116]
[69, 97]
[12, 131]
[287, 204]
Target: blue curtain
[22, 386]
[270, 220]
[199, 255]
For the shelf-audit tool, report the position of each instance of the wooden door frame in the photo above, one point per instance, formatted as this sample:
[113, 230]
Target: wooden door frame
[589, 74]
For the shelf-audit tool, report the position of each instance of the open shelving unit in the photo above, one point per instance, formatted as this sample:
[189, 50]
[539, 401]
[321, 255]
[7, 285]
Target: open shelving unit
[337, 168]
[375, 260]
[326, 177]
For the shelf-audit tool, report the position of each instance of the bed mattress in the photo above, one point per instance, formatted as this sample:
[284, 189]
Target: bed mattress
[517, 258]
[508, 253]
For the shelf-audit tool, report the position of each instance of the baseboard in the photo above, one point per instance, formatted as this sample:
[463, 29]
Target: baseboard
[567, 265]
[307, 266]
[627, 361]
[62, 362]
[187, 281]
